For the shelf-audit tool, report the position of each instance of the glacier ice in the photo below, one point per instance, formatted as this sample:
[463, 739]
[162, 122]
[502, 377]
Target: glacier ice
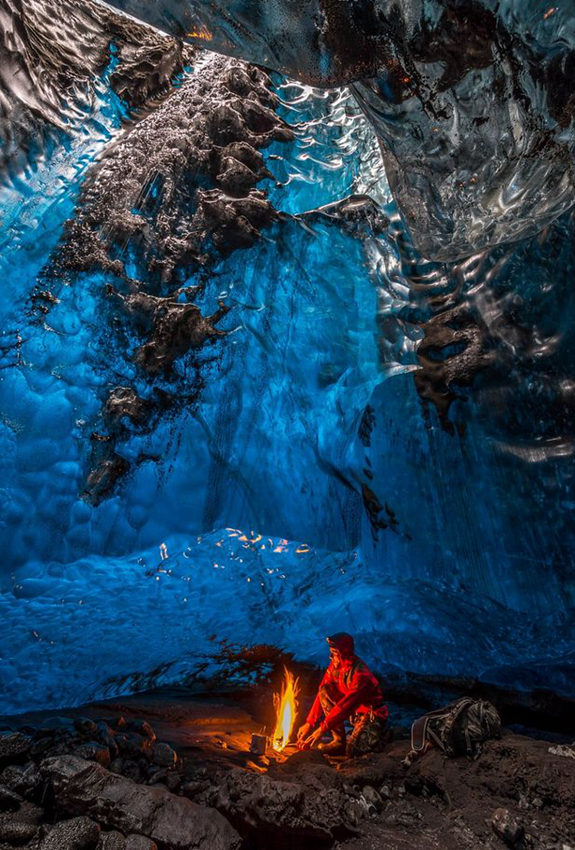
[382, 440]
[471, 101]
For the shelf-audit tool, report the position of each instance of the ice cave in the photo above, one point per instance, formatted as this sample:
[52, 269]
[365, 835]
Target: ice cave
[286, 339]
[286, 355]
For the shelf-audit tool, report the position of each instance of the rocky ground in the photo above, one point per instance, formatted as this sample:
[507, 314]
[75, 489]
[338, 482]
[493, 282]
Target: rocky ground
[173, 772]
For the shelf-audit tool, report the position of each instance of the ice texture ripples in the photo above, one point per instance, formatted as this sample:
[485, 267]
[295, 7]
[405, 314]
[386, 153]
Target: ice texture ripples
[411, 419]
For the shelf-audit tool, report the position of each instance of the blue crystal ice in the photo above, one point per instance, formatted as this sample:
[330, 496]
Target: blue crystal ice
[377, 436]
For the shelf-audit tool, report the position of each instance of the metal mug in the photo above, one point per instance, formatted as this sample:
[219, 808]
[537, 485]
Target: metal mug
[259, 745]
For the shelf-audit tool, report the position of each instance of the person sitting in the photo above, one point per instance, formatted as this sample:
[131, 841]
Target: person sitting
[348, 691]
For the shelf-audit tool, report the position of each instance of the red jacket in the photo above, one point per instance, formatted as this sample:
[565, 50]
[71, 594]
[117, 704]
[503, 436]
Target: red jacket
[360, 693]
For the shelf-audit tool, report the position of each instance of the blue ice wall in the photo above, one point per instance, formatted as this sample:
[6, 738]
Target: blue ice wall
[315, 485]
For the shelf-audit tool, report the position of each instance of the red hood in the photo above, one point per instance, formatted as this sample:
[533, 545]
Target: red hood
[344, 643]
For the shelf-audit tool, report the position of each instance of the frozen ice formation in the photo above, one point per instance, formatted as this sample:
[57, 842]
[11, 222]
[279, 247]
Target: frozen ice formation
[213, 317]
[53, 54]
[106, 626]
[170, 197]
[472, 102]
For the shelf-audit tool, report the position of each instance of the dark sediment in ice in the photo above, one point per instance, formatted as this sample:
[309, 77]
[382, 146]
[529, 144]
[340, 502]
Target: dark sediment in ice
[172, 328]
[493, 339]
[174, 193]
[179, 182]
[471, 101]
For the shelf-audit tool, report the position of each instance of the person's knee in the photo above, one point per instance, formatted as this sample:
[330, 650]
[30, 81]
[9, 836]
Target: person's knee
[367, 736]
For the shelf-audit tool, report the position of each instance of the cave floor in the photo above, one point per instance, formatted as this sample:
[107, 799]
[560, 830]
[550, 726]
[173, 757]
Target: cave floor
[435, 804]
[212, 728]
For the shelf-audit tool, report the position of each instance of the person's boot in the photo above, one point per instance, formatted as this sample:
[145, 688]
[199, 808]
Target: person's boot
[335, 747]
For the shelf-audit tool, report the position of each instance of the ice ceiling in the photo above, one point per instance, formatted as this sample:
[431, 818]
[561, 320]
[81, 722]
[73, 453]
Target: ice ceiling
[284, 355]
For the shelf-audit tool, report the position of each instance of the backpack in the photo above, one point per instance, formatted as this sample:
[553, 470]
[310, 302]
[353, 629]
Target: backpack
[458, 729]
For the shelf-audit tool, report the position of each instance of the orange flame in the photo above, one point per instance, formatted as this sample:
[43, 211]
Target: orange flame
[285, 704]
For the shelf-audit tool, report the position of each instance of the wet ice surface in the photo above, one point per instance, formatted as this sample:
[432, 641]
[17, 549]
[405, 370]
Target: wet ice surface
[104, 626]
[410, 422]
[471, 101]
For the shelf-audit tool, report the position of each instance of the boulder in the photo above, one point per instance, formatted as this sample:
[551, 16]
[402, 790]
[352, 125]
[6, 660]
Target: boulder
[104, 731]
[30, 813]
[43, 746]
[163, 755]
[157, 777]
[310, 767]
[106, 737]
[22, 779]
[372, 799]
[9, 800]
[14, 748]
[111, 841]
[141, 727]
[282, 808]
[173, 780]
[75, 834]
[86, 727]
[133, 745]
[15, 832]
[133, 770]
[166, 776]
[140, 842]
[195, 787]
[93, 751]
[59, 743]
[175, 823]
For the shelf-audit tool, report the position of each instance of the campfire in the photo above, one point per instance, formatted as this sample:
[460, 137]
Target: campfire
[285, 704]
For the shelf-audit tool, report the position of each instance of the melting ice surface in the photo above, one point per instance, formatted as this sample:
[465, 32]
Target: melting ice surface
[381, 444]
[471, 101]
